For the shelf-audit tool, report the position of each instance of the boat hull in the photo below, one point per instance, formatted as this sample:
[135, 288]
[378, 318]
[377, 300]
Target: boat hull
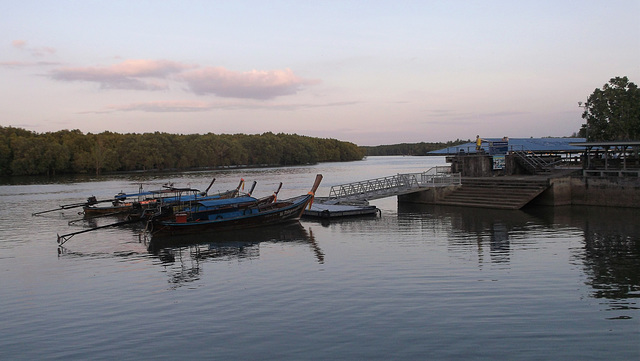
[250, 217]
[113, 210]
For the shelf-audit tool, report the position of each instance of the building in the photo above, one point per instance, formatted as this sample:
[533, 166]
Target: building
[512, 173]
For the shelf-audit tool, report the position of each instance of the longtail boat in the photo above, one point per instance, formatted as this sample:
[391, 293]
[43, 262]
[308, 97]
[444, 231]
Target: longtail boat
[240, 215]
[168, 207]
[137, 203]
[205, 208]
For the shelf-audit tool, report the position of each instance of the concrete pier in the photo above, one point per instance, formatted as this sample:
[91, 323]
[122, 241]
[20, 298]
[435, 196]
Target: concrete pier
[507, 188]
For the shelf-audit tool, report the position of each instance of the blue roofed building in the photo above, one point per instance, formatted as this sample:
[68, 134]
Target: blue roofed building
[511, 156]
[517, 144]
[510, 173]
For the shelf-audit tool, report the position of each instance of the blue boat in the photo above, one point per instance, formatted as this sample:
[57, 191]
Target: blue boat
[137, 203]
[221, 215]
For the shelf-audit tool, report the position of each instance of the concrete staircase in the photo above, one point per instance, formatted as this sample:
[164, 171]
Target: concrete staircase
[502, 192]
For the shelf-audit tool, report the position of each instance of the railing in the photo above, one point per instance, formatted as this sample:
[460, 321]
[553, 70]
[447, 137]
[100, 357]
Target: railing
[394, 185]
[532, 161]
[611, 172]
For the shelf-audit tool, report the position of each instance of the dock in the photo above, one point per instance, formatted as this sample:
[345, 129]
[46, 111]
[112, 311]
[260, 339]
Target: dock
[399, 184]
[329, 211]
[352, 199]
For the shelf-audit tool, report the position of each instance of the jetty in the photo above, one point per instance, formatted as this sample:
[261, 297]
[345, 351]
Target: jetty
[332, 211]
[508, 173]
[395, 185]
[352, 199]
[513, 173]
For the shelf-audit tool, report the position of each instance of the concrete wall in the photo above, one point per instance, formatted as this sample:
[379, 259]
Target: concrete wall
[606, 191]
[591, 191]
[472, 165]
[578, 190]
[558, 194]
[481, 165]
[428, 196]
[569, 190]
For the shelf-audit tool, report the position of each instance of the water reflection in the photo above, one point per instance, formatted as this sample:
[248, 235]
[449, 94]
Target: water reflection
[467, 227]
[610, 252]
[182, 256]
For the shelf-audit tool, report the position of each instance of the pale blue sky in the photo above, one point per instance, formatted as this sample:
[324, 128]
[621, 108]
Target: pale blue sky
[369, 72]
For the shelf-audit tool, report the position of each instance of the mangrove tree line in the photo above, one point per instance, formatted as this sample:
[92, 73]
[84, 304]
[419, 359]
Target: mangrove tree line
[410, 148]
[23, 152]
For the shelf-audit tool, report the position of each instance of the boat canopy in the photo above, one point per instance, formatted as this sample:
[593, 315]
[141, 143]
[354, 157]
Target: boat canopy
[161, 192]
[227, 201]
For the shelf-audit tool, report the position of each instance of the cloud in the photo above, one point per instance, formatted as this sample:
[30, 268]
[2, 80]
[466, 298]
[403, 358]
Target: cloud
[164, 106]
[141, 74]
[255, 84]
[188, 106]
[37, 52]
[441, 115]
[136, 74]
[19, 44]
[25, 64]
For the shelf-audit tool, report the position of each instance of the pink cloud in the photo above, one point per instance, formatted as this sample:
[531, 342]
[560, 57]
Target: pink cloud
[24, 64]
[129, 74]
[141, 74]
[189, 106]
[38, 52]
[164, 106]
[19, 44]
[255, 84]
[43, 51]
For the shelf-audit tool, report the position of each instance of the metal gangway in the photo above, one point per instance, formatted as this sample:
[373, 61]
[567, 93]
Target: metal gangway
[439, 176]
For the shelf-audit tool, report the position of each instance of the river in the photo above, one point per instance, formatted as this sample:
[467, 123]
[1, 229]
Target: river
[416, 282]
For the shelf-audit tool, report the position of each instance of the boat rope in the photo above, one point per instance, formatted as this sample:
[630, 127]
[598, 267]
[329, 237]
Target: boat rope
[313, 195]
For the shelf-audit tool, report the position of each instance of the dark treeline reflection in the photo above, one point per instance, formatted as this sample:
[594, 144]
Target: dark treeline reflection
[611, 245]
[23, 152]
[611, 248]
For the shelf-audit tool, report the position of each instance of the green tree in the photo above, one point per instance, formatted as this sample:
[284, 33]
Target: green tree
[613, 112]
[24, 152]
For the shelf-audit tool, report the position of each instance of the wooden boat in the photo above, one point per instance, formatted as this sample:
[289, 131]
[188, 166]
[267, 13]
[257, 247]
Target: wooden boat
[167, 209]
[137, 203]
[237, 215]
[212, 208]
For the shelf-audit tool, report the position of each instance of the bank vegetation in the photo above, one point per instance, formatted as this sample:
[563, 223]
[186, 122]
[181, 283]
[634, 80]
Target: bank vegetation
[23, 152]
[410, 148]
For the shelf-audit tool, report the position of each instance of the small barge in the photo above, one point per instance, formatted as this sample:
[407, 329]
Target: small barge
[330, 211]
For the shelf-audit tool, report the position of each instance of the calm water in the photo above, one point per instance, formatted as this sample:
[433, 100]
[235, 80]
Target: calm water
[416, 283]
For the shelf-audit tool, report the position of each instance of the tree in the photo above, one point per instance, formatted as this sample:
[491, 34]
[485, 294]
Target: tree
[613, 112]
[24, 152]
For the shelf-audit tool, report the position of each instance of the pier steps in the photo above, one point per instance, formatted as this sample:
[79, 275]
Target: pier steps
[502, 193]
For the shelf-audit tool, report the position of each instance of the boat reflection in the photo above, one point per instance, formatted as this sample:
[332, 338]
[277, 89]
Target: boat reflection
[183, 255]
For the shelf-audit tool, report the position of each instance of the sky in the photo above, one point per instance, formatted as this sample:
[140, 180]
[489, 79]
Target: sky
[367, 72]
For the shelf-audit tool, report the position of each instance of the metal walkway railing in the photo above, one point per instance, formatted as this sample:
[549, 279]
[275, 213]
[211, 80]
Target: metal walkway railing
[395, 185]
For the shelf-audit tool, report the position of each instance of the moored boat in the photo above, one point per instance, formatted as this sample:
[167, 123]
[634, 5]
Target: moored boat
[167, 207]
[137, 203]
[238, 215]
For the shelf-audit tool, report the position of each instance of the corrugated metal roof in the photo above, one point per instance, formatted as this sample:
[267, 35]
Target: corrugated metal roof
[622, 143]
[530, 144]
